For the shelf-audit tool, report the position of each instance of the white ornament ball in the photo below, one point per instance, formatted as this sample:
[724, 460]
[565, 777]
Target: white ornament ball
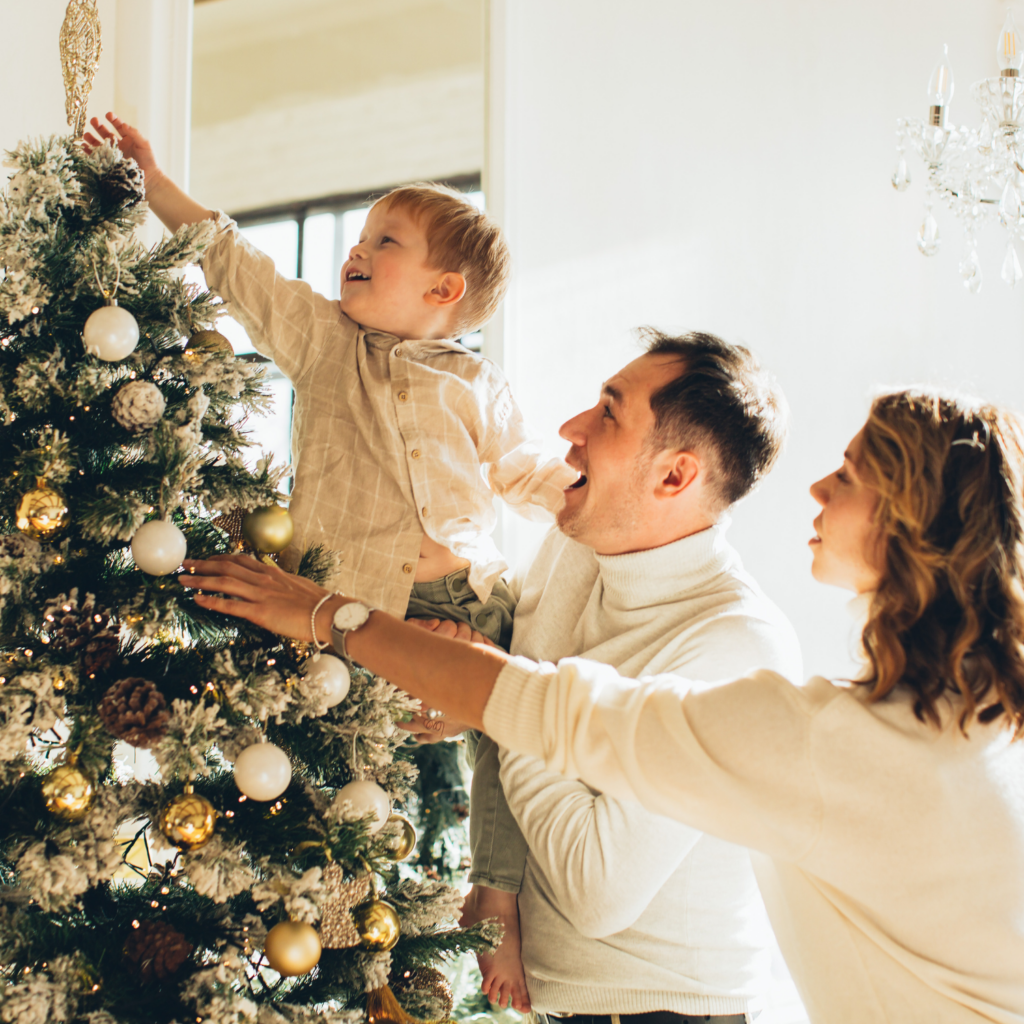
[330, 675]
[111, 333]
[263, 771]
[158, 547]
[366, 796]
[138, 406]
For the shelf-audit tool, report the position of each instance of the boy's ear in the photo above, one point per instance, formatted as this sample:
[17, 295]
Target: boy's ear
[448, 290]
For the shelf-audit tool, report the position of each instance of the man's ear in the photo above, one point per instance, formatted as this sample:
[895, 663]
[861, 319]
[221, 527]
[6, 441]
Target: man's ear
[449, 289]
[682, 469]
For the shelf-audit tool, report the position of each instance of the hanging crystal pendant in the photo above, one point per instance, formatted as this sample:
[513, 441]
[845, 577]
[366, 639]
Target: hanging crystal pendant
[928, 239]
[901, 176]
[1011, 267]
[1009, 207]
[970, 269]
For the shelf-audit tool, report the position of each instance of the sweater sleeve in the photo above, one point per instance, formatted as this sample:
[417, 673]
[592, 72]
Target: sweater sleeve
[607, 859]
[282, 316]
[732, 760]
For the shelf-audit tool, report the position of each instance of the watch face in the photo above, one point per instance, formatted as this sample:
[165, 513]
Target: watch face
[351, 616]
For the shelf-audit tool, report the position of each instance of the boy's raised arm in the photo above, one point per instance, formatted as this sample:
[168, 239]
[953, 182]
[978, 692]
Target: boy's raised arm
[173, 206]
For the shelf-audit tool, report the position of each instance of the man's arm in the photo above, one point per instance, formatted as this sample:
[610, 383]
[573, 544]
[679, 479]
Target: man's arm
[606, 859]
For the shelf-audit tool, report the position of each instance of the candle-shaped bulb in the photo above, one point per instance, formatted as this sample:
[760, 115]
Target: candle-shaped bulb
[940, 85]
[1009, 51]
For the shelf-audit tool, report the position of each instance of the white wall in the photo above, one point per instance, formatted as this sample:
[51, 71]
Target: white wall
[323, 97]
[726, 167]
[144, 73]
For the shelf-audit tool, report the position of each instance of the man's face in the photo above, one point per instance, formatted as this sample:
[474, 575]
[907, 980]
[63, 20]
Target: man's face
[607, 507]
[386, 278]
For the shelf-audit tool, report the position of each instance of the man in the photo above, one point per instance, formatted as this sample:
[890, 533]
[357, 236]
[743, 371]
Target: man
[625, 912]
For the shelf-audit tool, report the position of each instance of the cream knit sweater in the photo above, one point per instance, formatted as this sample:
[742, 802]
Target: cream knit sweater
[622, 910]
[893, 852]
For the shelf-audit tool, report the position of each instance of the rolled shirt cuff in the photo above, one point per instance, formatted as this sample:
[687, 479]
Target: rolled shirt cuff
[514, 714]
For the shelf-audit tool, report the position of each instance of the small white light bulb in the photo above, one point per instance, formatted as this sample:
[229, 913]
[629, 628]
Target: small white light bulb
[1008, 49]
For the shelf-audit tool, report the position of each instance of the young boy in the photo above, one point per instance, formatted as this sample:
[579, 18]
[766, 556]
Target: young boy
[393, 425]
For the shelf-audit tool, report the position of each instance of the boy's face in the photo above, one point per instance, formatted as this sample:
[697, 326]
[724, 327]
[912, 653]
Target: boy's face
[386, 283]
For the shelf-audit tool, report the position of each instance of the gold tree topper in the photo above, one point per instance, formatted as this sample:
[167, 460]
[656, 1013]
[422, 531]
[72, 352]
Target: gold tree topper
[79, 58]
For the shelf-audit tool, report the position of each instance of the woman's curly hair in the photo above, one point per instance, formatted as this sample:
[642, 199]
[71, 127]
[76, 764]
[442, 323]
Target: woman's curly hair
[948, 617]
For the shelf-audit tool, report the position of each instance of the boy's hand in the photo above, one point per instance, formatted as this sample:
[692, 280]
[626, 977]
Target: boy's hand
[129, 140]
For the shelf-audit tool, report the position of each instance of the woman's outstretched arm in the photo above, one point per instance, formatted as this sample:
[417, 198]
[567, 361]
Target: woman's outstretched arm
[450, 675]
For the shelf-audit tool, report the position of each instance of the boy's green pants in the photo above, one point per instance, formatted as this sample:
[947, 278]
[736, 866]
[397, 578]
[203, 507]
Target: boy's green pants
[497, 846]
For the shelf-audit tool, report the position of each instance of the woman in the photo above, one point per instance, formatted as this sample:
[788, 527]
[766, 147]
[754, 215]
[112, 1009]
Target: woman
[887, 814]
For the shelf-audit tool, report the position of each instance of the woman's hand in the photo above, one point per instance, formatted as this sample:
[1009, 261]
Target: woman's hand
[263, 594]
[129, 140]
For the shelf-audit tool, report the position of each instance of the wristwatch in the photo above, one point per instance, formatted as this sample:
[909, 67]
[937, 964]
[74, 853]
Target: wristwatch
[347, 618]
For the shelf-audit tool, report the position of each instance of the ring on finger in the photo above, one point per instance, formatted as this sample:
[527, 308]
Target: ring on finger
[433, 713]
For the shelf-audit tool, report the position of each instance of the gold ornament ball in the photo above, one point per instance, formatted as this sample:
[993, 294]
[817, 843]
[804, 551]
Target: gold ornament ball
[292, 948]
[208, 343]
[377, 925]
[268, 529]
[43, 512]
[68, 792]
[427, 979]
[402, 844]
[188, 821]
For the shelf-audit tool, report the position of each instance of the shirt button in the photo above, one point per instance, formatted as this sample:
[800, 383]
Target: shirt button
[423, 511]
[403, 396]
[415, 453]
[407, 568]
[397, 352]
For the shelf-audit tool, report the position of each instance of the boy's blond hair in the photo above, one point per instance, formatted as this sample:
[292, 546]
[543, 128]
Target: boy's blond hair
[460, 239]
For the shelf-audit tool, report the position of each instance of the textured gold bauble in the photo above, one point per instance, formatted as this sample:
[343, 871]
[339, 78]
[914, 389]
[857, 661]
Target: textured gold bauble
[427, 979]
[268, 529]
[292, 948]
[377, 924]
[68, 792]
[209, 343]
[401, 846]
[188, 820]
[42, 512]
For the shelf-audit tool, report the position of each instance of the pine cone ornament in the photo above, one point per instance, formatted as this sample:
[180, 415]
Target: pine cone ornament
[138, 406]
[123, 185]
[135, 711]
[157, 949]
[82, 627]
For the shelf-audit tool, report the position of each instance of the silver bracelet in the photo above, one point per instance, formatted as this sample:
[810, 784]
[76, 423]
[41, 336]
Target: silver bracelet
[312, 626]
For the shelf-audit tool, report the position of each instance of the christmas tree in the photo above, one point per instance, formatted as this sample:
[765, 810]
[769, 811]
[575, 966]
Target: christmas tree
[256, 874]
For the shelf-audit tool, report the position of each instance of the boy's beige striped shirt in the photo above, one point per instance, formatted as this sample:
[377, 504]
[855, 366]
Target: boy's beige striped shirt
[389, 437]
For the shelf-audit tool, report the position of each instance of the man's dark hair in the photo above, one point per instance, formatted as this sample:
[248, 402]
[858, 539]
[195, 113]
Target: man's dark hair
[722, 404]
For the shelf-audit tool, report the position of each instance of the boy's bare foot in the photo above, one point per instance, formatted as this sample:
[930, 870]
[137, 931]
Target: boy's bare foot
[504, 981]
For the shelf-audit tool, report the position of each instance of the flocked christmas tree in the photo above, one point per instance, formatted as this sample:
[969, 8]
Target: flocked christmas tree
[264, 832]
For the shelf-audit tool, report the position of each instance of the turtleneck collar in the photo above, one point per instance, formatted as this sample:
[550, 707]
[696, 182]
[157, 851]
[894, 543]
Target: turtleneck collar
[666, 573]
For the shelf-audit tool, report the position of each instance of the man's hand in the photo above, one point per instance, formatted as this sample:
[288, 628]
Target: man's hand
[129, 140]
[453, 630]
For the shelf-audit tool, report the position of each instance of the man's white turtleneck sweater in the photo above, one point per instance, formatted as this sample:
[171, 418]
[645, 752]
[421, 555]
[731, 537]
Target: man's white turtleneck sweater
[624, 911]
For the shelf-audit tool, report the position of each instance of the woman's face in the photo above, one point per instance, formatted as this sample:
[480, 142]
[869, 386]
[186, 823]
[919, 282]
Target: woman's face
[846, 546]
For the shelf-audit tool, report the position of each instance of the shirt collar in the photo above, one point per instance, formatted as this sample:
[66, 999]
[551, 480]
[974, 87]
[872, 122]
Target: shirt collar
[386, 342]
[663, 574]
